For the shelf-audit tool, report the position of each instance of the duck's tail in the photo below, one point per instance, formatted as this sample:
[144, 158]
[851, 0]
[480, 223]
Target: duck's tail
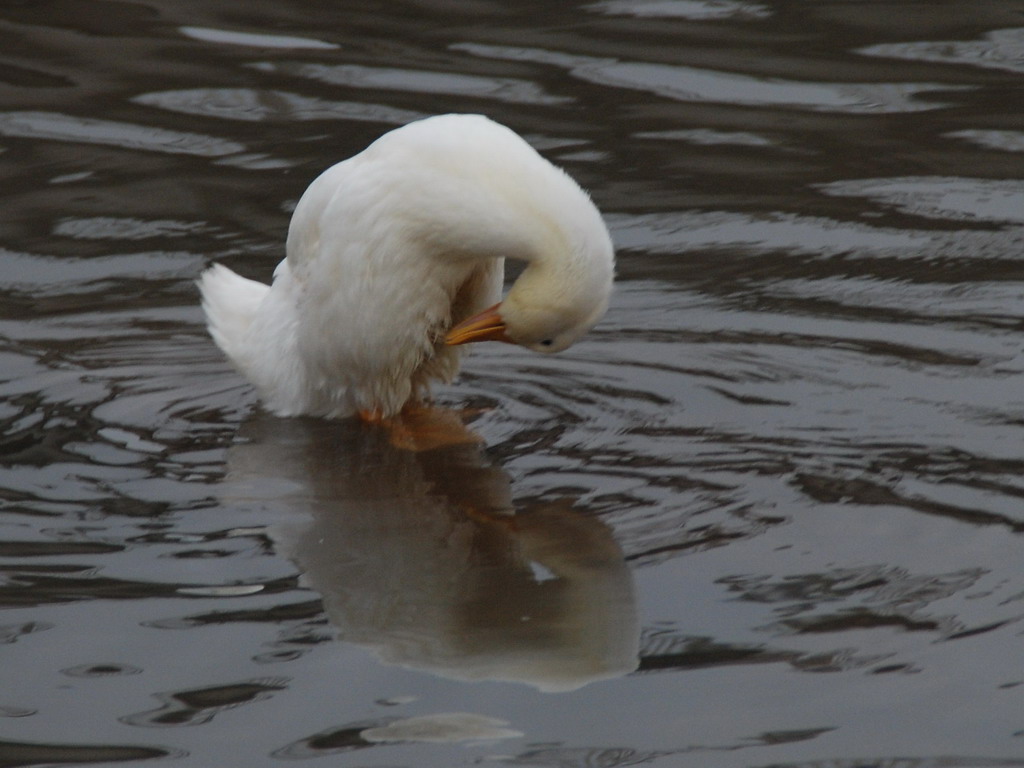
[230, 302]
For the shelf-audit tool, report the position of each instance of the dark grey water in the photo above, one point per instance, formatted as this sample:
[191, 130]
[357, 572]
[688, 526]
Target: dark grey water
[769, 513]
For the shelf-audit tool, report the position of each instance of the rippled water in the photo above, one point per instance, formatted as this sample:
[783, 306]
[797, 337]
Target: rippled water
[769, 513]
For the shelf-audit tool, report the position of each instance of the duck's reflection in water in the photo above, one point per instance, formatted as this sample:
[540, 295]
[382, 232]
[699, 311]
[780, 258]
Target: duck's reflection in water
[423, 557]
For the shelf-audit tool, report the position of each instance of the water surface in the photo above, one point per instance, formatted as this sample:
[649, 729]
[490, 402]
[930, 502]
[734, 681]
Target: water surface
[768, 513]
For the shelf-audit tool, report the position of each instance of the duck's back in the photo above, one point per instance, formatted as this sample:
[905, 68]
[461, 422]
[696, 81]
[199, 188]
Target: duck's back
[355, 318]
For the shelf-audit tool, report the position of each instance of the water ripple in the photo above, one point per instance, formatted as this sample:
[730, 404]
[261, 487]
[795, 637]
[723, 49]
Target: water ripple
[691, 84]
[1001, 49]
[513, 90]
[253, 105]
[254, 39]
[90, 130]
[694, 10]
[947, 198]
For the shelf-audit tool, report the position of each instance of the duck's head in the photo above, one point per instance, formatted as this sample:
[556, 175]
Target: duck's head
[548, 308]
[550, 223]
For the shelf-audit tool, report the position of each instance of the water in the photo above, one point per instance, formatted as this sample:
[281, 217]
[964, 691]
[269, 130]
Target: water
[768, 513]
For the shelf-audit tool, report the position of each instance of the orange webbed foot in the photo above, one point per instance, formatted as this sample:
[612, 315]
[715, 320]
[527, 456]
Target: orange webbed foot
[423, 428]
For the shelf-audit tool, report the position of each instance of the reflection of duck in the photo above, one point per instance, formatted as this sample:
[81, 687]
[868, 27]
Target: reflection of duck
[393, 256]
[419, 557]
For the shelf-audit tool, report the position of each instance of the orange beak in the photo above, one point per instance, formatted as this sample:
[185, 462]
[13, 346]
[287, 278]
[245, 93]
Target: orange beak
[487, 326]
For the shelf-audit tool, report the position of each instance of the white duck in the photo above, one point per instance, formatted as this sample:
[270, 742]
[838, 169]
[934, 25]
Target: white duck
[393, 256]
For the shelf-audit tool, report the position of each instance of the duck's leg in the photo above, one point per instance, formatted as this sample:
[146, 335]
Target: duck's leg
[423, 428]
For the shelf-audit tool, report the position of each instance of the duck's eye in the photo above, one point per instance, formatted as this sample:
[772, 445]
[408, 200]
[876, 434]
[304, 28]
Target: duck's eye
[547, 342]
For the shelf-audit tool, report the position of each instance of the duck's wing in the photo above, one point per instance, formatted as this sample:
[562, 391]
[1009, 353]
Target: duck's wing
[481, 289]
